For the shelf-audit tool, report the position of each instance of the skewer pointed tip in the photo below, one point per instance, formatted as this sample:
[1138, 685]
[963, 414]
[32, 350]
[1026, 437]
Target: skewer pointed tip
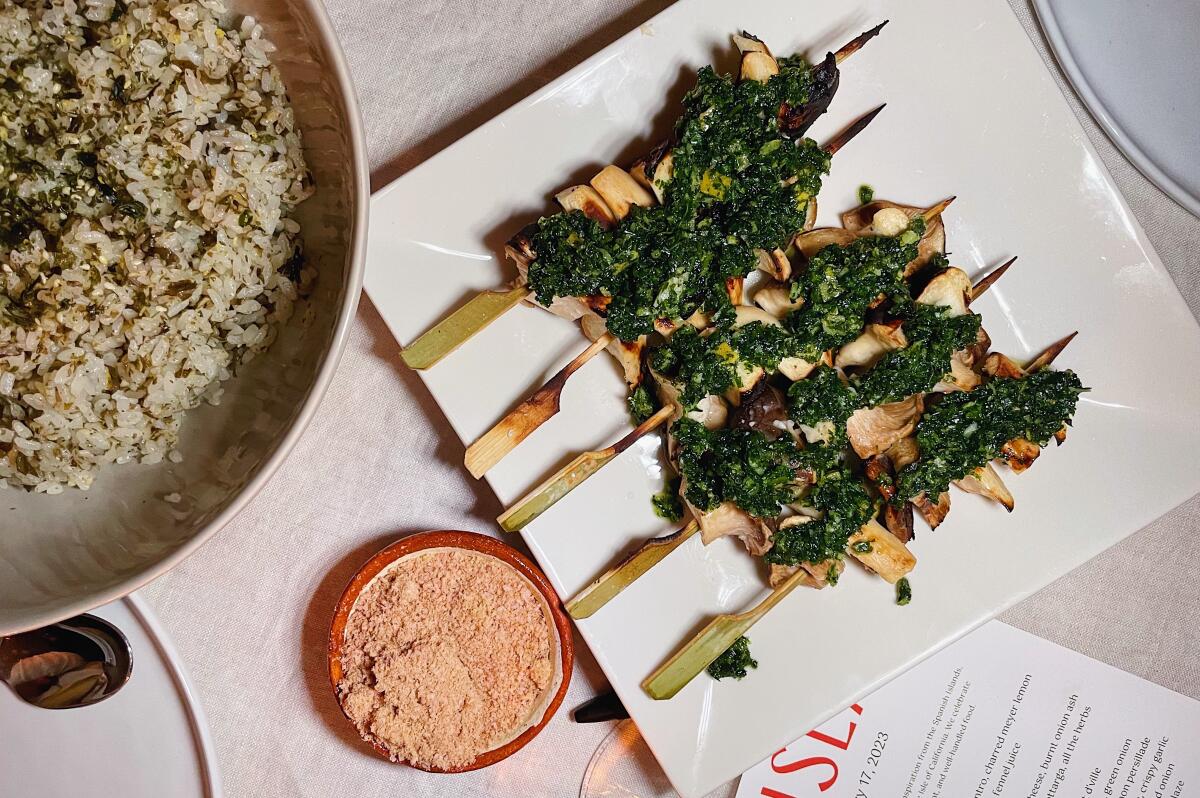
[856, 127]
[935, 211]
[989, 279]
[1050, 353]
[854, 45]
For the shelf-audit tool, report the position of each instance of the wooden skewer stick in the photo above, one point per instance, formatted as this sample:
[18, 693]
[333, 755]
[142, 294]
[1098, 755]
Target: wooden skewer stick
[856, 127]
[934, 211]
[711, 641]
[570, 476]
[989, 279]
[539, 408]
[608, 585]
[892, 561]
[1050, 353]
[854, 45]
[452, 331]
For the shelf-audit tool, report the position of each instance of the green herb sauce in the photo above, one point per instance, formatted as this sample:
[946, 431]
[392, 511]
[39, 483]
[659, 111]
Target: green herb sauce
[903, 591]
[933, 337]
[842, 282]
[822, 397]
[704, 365]
[667, 504]
[966, 430]
[695, 364]
[738, 465]
[846, 505]
[738, 183]
[865, 194]
[641, 404]
[734, 662]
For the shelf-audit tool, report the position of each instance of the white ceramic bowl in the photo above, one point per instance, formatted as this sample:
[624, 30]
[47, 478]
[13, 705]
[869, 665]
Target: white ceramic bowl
[62, 555]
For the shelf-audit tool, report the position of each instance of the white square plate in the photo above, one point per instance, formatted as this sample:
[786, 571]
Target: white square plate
[971, 112]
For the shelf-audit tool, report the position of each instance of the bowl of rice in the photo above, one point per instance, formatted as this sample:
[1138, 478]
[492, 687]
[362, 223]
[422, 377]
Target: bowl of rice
[183, 208]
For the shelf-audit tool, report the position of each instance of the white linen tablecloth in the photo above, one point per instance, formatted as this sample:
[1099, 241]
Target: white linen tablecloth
[250, 611]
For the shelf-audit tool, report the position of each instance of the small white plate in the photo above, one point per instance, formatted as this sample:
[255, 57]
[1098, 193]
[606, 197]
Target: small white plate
[972, 111]
[148, 741]
[1135, 67]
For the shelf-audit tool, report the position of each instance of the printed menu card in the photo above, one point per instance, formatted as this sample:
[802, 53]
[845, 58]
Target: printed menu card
[999, 713]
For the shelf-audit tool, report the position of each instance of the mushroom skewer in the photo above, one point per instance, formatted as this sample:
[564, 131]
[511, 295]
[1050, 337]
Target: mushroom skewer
[608, 585]
[723, 630]
[487, 306]
[1019, 453]
[544, 403]
[567, 479]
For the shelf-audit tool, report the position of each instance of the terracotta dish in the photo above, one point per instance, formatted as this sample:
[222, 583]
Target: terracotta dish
[484, 545]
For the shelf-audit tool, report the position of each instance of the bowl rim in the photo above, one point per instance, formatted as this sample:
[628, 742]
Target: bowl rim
[339, 70]
[482, 544]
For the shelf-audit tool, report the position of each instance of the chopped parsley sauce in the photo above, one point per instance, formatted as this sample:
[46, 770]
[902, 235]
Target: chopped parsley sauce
[641, 404]
[841, 496]
[734, 662]
[738, 465]
[707, 364]
[966, 430]
[933, 337]
[841, 283]
[739, 182]
[667, 504]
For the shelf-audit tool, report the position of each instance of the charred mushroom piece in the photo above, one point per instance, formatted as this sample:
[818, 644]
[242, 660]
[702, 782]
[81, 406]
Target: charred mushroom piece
[933, 513]
[627, 353]
[874, 342]
[794, 121]
[872, 430]
[820, 571]
[881, 551]
[775, 263]
[747, 42]
[1020, 453]
[776, 299]
[780, 573]
[986, 482]
[763, 409]
[729, 520]
[903, 452]
[961, 377]
[655, 171]
[758, 66]
[734, 287]
[813, 241]
[1000, 365]
[587, 200]
[951, 289]
[620, 191]
[899, 520]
